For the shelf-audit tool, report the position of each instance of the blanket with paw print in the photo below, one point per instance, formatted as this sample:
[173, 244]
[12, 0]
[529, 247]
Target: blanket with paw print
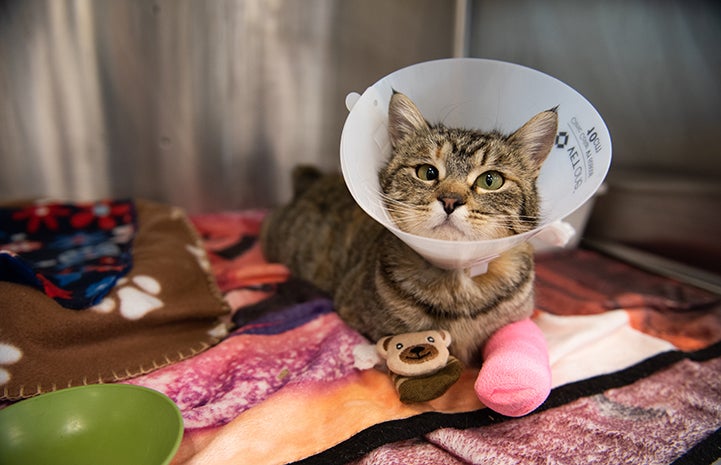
[100, 292]
[636, 360]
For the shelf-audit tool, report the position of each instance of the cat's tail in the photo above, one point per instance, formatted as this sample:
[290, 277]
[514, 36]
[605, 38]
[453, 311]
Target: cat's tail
[280, 224]
[304, 176]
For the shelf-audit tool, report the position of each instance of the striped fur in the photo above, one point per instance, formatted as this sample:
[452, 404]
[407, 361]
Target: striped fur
[379, 285]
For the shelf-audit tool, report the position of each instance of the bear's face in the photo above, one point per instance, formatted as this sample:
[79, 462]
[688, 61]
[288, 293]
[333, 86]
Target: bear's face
[414, 354]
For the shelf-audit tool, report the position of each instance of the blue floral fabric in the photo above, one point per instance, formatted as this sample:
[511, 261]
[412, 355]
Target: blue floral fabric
[74, 252]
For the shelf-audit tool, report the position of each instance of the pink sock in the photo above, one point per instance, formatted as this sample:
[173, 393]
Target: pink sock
[516, 376]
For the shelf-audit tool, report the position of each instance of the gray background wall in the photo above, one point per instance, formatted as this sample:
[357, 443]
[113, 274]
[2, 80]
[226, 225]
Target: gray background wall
[653, 71]
[208, 104]
[204, 104]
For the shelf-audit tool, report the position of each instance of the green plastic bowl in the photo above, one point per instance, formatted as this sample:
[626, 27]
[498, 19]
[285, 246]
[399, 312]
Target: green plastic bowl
[108, 424]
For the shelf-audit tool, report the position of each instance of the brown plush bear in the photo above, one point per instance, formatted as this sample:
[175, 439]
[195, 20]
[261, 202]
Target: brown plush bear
[421, 367]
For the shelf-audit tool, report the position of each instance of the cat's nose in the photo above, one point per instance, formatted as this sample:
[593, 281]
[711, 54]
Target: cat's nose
[450, 202]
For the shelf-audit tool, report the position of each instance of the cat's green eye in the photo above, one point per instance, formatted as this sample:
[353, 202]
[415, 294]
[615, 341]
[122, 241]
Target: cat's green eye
[427, 172]
[490, 181]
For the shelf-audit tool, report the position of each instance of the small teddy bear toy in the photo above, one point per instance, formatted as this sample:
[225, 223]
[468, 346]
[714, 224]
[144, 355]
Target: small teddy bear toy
[420, 365]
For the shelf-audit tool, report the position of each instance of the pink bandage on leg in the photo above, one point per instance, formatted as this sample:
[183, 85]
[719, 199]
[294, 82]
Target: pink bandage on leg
[516, 376]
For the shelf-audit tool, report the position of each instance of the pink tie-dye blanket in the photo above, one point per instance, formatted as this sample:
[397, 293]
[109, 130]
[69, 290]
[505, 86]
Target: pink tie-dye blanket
[635, 359]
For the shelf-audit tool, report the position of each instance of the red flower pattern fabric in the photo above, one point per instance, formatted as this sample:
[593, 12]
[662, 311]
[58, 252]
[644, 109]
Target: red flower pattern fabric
[74, 252]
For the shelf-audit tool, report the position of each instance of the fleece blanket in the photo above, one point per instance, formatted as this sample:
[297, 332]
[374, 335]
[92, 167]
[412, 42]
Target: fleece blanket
[75, 253]
[164, 308]
[635, 358]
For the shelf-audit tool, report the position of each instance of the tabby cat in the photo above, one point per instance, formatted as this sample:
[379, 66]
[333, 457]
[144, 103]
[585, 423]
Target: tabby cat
[440, 182]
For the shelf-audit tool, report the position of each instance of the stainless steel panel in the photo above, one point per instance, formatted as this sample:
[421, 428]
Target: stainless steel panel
[653, 70]
[203, 104]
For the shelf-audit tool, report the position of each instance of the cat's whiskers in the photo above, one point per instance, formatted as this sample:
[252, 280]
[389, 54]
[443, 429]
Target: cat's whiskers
[420, 220]
[475, 226]
[508, 218]
[408, 217]
[398, 206]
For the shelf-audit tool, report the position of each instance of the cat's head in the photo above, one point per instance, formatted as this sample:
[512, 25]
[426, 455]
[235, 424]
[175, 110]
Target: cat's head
[461, 184]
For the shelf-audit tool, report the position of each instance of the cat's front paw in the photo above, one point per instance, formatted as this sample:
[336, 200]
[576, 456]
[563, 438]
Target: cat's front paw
[556, 234]
[511, 390]
[516, 376]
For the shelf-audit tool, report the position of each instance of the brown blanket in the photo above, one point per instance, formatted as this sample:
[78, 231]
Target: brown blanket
[166, 309]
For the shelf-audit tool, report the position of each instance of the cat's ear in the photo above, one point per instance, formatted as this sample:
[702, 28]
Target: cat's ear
[537, 136]
[404, 118]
